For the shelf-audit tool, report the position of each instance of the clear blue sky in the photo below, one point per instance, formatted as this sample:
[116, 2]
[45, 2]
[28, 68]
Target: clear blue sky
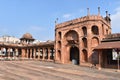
[38, 16]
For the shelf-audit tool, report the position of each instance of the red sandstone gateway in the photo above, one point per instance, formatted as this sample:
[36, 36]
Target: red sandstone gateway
[77, 39]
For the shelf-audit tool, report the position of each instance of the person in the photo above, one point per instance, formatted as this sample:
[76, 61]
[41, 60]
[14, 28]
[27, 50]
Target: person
[94, 60]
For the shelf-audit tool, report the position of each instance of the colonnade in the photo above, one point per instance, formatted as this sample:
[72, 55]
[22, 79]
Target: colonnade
[45, 53]
[10, 53]
[37, 53]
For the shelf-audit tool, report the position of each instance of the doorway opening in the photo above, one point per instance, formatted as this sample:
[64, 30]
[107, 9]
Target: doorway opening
[74, 55]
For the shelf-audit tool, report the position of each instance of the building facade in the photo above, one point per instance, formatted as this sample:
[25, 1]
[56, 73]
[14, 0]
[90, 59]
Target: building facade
[75, 40]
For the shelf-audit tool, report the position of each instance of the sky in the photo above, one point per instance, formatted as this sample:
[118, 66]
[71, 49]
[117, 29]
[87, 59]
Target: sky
[37, 17]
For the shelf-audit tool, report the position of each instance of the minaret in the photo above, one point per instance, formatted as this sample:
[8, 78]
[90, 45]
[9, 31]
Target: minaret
[106, 13]
[107, 18]
[98, 11]
[88, 12]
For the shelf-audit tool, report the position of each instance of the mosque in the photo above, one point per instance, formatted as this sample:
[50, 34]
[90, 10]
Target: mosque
[25, 48]
[82, 41]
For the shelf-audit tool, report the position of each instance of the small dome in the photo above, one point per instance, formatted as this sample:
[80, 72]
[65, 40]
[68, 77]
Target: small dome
[27, 36]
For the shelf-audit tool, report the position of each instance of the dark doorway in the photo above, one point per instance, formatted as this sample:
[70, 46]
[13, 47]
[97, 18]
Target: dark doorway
[74, 55]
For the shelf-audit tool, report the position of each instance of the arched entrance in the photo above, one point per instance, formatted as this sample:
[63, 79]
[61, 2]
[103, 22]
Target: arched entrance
[71, 39]
[74, 55]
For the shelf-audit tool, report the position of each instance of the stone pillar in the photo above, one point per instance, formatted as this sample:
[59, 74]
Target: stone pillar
[23, 53]
[1, 52]
[30, 53]
[100, 59]
[43, 54]
[49, 53]
[27, 53]
[34, 53]
[16, 52]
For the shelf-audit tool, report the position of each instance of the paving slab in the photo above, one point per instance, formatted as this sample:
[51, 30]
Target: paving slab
[38, 70]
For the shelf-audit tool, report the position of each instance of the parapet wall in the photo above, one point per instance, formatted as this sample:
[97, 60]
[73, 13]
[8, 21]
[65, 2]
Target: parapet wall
[82, 19]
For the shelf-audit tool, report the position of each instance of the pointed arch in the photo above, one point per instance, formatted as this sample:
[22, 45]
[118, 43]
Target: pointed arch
[71, 37]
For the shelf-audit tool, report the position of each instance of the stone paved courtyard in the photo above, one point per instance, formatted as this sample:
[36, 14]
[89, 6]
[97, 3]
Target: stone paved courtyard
[37, 70]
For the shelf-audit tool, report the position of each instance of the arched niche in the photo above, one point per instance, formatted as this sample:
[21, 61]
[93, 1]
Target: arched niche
[85, 55]
[84, 40]
[71, 37]
[59, 35]
[84, 30]
[95, 41]
[95, 30]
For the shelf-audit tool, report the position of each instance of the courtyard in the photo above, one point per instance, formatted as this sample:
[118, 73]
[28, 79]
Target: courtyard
[38, 70]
